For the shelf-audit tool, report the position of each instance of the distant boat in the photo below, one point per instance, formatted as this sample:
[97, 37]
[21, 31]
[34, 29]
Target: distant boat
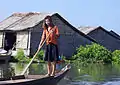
[5, 55]
[35, 79]
[2, 51]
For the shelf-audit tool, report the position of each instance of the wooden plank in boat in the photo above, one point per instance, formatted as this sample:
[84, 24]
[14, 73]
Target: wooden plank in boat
[35, 76]
[15, 81]
[29, 78]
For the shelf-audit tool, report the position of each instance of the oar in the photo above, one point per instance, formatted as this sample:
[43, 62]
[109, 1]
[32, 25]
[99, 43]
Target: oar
[36, 53]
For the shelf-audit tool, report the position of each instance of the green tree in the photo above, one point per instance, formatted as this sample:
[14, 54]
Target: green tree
[20, 56]
[93, 53]
[116, 56]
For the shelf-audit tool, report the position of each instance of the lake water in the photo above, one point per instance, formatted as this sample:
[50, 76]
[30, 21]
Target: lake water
[92, 74]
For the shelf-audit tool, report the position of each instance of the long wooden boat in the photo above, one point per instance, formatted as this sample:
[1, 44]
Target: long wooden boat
[35, 79]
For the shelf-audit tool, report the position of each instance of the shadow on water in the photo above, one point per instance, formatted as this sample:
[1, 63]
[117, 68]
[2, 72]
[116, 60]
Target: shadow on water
[92, 74]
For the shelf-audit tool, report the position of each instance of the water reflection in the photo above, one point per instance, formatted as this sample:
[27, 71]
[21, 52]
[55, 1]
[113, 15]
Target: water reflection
[38, 69]
[6, 71]
[92, 74]
[35, 68]
[95, 74]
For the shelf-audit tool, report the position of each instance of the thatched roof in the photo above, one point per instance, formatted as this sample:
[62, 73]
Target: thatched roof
[22, 21]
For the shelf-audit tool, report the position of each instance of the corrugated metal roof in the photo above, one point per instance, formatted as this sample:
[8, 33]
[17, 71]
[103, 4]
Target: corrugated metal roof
[115, 34]
[86, 29]
[22, 21]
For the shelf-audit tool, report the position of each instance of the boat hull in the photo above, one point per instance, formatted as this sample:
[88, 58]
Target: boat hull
[35, 79]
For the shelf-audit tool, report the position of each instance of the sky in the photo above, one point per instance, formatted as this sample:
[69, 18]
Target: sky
[105, 13]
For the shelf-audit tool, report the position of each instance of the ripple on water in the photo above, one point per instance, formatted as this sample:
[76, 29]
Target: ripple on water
[95, 83]
[112, 83]
[85, 83]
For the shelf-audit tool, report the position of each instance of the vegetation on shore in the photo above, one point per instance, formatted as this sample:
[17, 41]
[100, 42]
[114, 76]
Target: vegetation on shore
[93, 53]
[96, 53]
[20, 57]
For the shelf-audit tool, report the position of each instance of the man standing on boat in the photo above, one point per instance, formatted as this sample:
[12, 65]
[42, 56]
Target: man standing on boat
[50, 31]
